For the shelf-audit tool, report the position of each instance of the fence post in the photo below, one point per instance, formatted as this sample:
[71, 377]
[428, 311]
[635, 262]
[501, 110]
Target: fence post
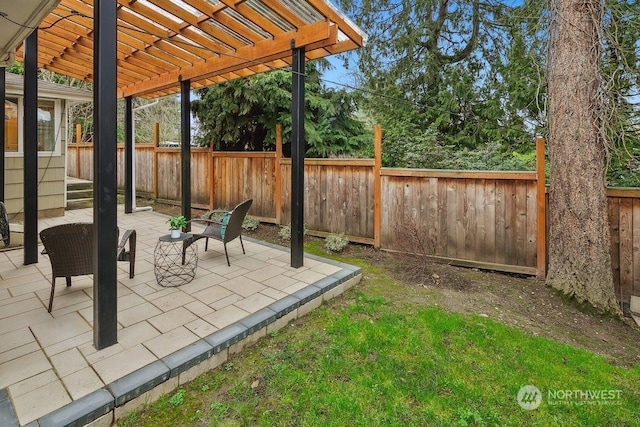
[277, 193]
[377, 186]
[156, 143]
[541, 209]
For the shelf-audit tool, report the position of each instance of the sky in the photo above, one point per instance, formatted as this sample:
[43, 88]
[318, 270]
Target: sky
[339, 74]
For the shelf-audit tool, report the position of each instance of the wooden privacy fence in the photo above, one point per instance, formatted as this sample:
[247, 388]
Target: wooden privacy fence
[624, 224]
[494, 220]
[487, 219]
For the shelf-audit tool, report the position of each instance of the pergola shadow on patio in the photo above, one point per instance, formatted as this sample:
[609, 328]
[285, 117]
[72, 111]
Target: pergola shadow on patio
[52, 374]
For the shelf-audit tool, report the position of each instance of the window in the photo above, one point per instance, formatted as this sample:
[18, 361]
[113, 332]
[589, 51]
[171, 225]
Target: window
[11, 124]
[46, 125]
[48, 128]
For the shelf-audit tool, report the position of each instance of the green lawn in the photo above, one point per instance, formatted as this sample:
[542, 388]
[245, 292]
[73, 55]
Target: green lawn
[374, 357]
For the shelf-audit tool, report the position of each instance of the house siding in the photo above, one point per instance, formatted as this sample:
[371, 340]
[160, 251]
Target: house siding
[51, 181]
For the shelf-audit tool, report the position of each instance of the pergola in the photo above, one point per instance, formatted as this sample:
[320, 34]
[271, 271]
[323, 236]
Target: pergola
[152, 48]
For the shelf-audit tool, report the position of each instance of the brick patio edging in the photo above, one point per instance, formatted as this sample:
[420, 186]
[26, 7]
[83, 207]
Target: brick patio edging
[105, 406]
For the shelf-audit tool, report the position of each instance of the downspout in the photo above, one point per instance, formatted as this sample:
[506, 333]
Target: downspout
[133, 163]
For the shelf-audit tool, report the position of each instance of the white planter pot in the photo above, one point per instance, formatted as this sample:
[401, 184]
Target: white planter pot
[175, 234]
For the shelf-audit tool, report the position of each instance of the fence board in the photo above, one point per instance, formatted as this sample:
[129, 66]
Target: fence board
[626, 247]
[200, 176]
[470, 224]
[85, 163]
[441, 243]
[614, 221]
[490, 220]
[521, 223]
[462, 209]
[480, 224]
[169, 175]
[360, 211]
[144, 169]
[433, 223]
[323, 207]
[72, 155]
[532, 225]
[635, 286]
[500, 222]
[451, 203]
[509, 222]
[351, 209]
[236, 178]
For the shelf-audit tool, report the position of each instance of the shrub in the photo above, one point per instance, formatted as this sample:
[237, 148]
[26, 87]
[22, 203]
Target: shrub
[418, 244]
[285, 231]
[250, 223]
[214, 215]
[335, 242]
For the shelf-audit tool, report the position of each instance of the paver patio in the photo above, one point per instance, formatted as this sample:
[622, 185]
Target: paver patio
[50, 372]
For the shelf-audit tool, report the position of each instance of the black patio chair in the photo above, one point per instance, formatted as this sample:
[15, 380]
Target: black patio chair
[70, 250]
[224, 230]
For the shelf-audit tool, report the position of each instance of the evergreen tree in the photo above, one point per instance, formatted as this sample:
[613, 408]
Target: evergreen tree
[242, 115]
[467, 70]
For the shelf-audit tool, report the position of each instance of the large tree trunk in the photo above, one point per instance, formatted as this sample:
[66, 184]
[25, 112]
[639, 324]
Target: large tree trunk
[579, 240]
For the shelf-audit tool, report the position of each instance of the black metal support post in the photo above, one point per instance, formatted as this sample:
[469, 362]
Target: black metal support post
[3, 98]
[297, 157]
[128, 154]
[185, 143]
[30, 132]
[104, 170]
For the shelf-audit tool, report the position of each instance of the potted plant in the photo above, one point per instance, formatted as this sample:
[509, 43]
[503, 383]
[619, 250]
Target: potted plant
[176, 223]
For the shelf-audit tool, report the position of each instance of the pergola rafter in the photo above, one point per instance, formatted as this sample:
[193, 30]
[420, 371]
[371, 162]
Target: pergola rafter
[205, 41]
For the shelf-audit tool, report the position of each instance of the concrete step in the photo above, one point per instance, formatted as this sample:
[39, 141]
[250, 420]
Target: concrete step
[79, 185]
[79, 194]
[79, 204]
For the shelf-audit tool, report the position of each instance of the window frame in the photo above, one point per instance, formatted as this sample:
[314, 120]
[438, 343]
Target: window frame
[20, 129]
[57, 120]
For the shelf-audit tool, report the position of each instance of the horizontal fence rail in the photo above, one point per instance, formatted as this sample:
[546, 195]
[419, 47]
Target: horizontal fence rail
[495, 220]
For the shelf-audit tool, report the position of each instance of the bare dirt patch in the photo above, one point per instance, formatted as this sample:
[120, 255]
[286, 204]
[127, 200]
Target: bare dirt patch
[523, 302]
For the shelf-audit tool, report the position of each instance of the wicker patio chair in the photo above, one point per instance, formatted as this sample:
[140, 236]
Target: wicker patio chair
[226, 230]
[70, 250]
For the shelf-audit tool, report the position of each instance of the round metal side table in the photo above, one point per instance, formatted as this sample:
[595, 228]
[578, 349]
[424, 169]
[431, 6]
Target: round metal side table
[175, 265]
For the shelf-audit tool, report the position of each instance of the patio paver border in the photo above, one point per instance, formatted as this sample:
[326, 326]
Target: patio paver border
[110, 403]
